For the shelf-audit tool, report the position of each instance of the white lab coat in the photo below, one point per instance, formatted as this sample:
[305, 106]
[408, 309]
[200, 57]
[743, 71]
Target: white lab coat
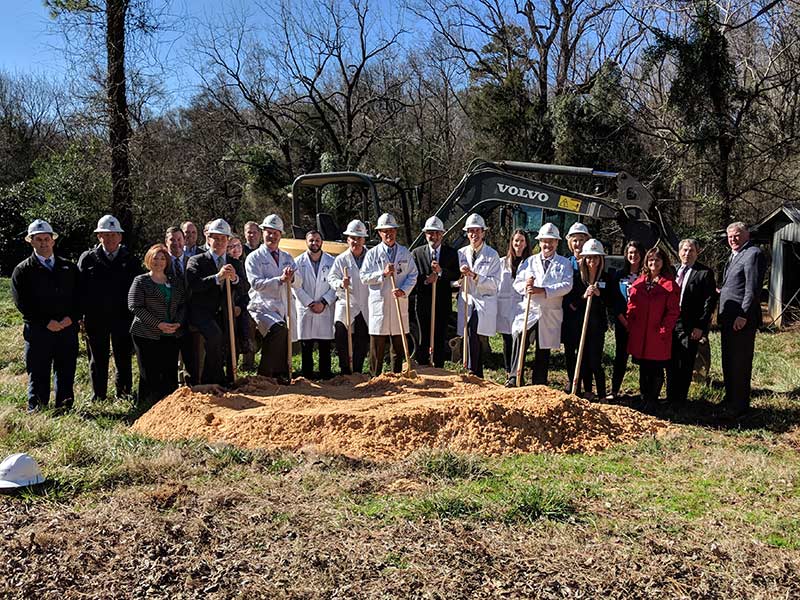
[382, 311]
[483, 292]
[557, 283]
[359, 293]
[315, 288]
[508, 300]
[267, 293]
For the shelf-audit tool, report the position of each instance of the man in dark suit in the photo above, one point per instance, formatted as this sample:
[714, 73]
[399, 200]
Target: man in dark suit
[437, 264]
[698, 298]
[107, 272]
[174, 240]
[740, 316]
[206, 275]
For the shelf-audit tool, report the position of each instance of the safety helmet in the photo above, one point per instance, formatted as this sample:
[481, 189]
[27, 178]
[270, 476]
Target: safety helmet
[386, 221]
[108, 224]
[39, 226]
[272, 222]
[219, 226]
[548, 231]
[474, 220]
[593, 248]
[578, 228]
[19, 470]
[355, 228]
[434, 224]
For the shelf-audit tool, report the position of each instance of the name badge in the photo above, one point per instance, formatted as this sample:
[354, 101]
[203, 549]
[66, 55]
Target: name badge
[601, 285]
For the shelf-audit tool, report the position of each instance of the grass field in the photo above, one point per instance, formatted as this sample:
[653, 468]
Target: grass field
[708, 511]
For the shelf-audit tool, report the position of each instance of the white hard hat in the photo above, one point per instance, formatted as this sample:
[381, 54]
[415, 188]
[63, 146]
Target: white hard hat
[434, 224]
[578, 228]
[474, 220]
[356, 228]
[272, 222]
[548, 231]
[219, 226]
[39, 226]
[386, 221]
[108, 224]
[593, 248]
[19, 470]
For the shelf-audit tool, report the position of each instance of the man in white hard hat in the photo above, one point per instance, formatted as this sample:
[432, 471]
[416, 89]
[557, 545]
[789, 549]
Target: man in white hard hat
[481, 271]
[572, 323]
[206, 275]
[44, 288]
[547, 278]
[314, 301]
[352, 261]
[107, 272]
[438, 266]
[269, 271]
[386, 260]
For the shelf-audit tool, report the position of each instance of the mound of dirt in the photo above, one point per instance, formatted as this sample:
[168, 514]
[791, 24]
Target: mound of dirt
[389, 417]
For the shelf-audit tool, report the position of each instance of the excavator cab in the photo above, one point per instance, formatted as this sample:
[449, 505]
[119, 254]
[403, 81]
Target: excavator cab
[329, 201]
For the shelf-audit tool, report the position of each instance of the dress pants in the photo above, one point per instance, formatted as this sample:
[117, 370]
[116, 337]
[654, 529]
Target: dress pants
[571, 358]
[274, 348]
[681, 367]
[475, 362]
[620, 357]
[738, 348]
[361, 344]
[441, 347]
[651, 379]
[101, 337]
[158, 367]
[508, 352]
[47, 351]
[377, 350]
[214, 341]
[592, 363]
[541, 359]
[307, 353]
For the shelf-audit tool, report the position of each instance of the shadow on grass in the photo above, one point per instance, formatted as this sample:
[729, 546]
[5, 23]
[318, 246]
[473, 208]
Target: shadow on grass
[771, 411]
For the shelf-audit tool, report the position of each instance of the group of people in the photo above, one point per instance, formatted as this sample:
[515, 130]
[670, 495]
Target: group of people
[176, 310]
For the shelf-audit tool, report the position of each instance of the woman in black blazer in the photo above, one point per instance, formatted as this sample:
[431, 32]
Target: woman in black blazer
[158, 303]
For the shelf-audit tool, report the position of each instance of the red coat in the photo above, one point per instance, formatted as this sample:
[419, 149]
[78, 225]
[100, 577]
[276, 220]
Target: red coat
[651, 318]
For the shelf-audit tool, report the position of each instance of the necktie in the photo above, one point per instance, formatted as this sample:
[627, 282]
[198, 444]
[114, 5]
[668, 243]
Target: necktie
[48, 262]
[275, 256]
[220, 260]
[547, 262]
[681, 274]
[434, 255]
[178, 267]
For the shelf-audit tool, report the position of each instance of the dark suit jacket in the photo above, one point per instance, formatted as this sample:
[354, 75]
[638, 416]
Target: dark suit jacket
[698, 299]
[448, 260]
[740, 294]
[208, 298]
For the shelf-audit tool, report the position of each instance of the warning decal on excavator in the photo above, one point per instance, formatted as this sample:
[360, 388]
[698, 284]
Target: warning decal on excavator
[568, 203]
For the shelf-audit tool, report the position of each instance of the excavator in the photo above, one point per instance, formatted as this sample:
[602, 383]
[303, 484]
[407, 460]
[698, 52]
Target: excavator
[510, 188]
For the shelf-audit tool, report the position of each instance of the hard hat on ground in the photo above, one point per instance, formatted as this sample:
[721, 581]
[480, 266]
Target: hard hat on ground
[578, 228]
[434, 224]
[593, 248]
[220, 226]
[548, 231]
[39, 226]
[19, 470]
[355, 228]
[386, 221]
[272, 222]
[109, 224]
[474, 220]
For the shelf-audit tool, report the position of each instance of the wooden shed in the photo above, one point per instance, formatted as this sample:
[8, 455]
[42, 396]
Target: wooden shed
[781, 229]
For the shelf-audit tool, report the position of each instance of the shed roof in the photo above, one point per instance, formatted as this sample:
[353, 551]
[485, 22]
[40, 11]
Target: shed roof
[788, 212]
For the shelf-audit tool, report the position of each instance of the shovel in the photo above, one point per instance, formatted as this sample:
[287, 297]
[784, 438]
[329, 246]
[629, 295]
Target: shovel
[433, 322]
[521, 359]
[407, 372]
[231, 335]
[349, 325]
[289, 327]
[583, 342]
[465, 341]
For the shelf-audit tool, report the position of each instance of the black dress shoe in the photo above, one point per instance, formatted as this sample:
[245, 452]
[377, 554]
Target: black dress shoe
[511, 382]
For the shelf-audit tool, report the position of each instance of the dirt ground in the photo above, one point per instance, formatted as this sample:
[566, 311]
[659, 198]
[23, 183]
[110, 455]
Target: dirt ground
[283, 538]
[390, 417]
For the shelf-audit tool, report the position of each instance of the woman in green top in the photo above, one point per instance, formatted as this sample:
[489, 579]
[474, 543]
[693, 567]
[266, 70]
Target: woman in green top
[158, 303]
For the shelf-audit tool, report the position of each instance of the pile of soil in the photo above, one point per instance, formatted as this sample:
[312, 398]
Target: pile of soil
[389, 417]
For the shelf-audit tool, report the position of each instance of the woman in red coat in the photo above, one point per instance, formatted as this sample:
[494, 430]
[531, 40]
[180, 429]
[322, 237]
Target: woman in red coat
[653, 310]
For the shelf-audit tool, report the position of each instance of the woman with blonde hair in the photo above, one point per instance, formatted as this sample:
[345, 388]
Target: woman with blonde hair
[158, 303]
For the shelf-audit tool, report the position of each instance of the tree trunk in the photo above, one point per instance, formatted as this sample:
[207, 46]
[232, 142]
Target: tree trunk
[119, 129]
